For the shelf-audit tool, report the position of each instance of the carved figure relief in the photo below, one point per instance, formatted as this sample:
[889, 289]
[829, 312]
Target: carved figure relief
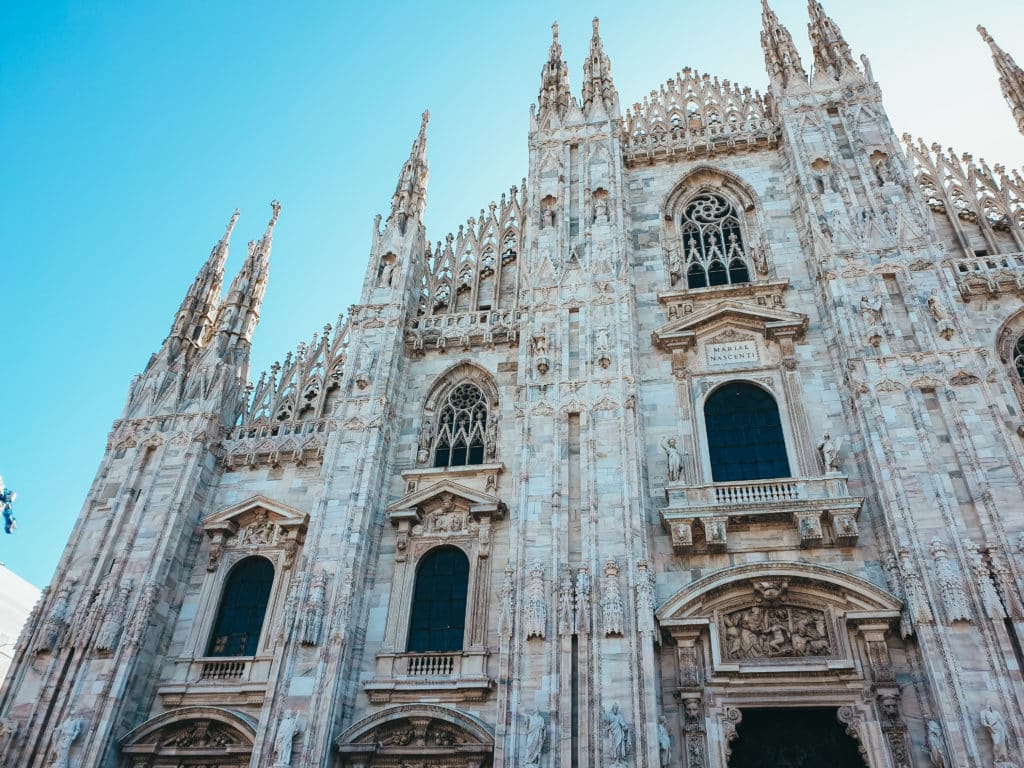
[611, 600]
[56, 621]
[673, 459]
[770, 632]
[644, 597]
[536, 603]
[989, 596]
[582, 601]
[508, 596]
[63, 740]
[260, 532]
[566, 613]
[313, 612]
[940, 315]
[113, 621]
[287, 730]
[828, 449]
[992, 720]
[620, 735]
[935, 745]
[951, 586]
[536, 731]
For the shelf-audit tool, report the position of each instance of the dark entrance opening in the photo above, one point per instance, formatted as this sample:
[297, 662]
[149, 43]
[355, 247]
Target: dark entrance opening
[793, 738]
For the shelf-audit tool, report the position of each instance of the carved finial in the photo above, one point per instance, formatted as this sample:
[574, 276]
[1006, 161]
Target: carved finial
[596, 23]
[231, 225]
[275, 208]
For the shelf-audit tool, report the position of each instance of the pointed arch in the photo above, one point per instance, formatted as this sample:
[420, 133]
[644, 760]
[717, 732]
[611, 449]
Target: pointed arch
[712, 220]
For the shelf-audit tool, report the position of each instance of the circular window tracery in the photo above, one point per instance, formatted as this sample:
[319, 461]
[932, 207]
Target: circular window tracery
[462, 427]
[712, 242]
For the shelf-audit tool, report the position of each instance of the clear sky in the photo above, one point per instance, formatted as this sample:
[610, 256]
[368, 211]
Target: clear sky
[131, 131]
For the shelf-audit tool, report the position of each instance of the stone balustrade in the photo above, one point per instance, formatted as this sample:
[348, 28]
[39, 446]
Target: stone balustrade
[274, 443]
[712, 508]
[463, 330]
[981, 275]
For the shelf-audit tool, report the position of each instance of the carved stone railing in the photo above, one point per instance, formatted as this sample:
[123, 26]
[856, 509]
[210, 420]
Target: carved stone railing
[683, 141]
[431, 664]
[458, 676]
[699, 516]
[463, 330]
[225, 669]
[275, 443]
[981, 275]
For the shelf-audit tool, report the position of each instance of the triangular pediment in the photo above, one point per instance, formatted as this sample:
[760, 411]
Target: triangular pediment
[240, 514]
[448, 493]
[767, 321]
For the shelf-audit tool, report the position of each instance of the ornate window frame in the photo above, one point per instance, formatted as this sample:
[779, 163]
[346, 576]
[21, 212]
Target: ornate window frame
[463, 372]
[737, 194]
[444, 514]
[740, 341]
[257, 526]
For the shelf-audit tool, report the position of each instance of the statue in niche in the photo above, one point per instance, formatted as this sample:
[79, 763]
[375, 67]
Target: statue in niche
[673, 458]
[828, 449]
[540, 344]
[387, 270]
[508, 596]
[286, 733]
[535, 733]
[313, 620]
[619, 734]
[600, 208]
[664, 744]
[611, 601]
[992, 720]
[536, 607]
[491, 450]
[882, 171]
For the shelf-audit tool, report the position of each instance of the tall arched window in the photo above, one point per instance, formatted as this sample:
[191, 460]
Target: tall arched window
[243, 606]
[438, 616]
[745, 440]
[462, 427]
[712, 241]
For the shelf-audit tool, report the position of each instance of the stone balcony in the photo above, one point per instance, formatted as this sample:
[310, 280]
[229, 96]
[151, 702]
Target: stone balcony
[988, 275]
[275, 443]
[221, 680]
[698, 517]
[454, 676]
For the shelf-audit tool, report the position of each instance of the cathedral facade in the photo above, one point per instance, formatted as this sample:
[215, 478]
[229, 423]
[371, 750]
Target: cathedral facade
[699, 448]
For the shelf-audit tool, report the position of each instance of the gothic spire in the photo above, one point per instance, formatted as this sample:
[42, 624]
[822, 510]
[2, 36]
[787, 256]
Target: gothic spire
[1011, 78]
[598, 88]
[832, 57]
[410, 197]
[240, 311]
[554, 80]
[198, 308]
[780, 54]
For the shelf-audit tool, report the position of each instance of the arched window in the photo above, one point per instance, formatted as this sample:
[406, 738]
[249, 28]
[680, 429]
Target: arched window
[461, 428]
[438, 616]
[243, 607]
[745, 440]
[1018, 358]
[712, 238]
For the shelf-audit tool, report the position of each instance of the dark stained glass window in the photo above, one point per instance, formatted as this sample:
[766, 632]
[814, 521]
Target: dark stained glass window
[745, 440]
[439, 602]
[243, 607]
[711, 239]
[1018, 357]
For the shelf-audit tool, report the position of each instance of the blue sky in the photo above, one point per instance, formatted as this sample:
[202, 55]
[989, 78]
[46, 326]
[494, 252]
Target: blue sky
[131, 131]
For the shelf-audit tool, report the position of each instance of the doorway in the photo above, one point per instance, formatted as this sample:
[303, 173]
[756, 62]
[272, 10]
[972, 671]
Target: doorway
[793, 738]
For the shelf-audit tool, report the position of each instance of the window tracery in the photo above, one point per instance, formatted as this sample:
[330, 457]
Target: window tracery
[462, 428]
[712, 240]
